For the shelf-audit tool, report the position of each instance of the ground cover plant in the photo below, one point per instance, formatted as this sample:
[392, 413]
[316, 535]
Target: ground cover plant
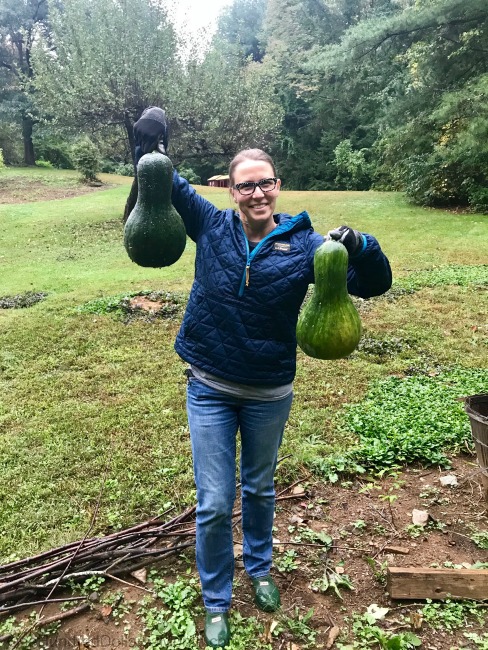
[92, 413]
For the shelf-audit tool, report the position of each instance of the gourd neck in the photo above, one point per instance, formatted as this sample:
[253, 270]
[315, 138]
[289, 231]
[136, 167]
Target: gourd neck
[331, 261]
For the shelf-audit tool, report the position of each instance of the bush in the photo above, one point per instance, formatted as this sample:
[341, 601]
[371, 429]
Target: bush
[431, 181]
[353, 171]
[11, 143]
[189, 174]
[44, 163]
[54, 151]
[112, 167]
[86, 159]
[478, 199]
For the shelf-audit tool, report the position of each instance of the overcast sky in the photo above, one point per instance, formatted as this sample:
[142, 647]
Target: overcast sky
[199, 15]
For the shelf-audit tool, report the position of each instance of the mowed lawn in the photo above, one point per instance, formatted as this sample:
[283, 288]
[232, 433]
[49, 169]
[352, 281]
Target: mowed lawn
[92, 408]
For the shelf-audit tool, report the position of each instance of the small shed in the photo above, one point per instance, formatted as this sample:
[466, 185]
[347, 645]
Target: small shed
[219, 181]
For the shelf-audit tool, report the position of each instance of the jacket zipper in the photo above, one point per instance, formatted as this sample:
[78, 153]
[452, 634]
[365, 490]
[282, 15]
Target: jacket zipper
[250, 256]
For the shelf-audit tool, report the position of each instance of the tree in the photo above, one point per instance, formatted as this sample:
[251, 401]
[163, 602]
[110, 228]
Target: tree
[320, 110]
[113, 58]
[431, 108]
[223, 107]
[105, 62]
[240, 26]
[21, 22]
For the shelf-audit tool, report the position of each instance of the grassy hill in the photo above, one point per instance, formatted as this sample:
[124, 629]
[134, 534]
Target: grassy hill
[93, 401]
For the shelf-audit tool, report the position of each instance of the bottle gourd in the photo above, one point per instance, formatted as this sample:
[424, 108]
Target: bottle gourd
[154, 233]
[329, 326]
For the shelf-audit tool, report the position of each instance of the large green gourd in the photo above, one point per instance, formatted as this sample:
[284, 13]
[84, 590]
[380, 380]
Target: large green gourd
[154, 233]
[329, 326]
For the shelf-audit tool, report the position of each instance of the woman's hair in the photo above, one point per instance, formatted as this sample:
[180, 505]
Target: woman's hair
[249, 154]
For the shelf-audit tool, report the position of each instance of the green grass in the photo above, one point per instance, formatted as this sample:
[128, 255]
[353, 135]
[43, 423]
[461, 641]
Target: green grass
[92, 404]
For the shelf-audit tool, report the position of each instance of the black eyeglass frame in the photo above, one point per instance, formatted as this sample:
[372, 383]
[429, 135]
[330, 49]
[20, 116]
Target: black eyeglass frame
[254, 185]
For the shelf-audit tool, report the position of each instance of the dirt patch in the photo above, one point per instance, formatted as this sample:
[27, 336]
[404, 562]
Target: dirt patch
[22, 300]
[24, 189]
[370, 525]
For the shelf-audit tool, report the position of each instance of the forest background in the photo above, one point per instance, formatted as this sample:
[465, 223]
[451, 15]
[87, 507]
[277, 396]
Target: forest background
[345, 94]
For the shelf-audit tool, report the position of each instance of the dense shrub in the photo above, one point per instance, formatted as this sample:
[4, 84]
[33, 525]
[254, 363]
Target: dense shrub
[44, 163]
[189, 174]
[478, 198]
[120, 168]
[86, 159]
[54, 151]
[430, 181]
[11, 143]
[353, 172]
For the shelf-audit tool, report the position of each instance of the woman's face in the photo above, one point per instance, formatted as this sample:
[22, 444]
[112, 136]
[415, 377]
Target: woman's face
[256, 210]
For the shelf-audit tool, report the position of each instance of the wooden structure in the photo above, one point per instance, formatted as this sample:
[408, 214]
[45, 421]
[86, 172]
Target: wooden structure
[437, 584]
[219, 181]
[476, 406]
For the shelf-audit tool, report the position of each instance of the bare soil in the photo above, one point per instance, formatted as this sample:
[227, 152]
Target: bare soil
[24, 189]
[363, 525]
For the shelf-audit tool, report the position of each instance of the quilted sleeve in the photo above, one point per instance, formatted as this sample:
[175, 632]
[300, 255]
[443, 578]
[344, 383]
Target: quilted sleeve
[197, 213]
[369, 274]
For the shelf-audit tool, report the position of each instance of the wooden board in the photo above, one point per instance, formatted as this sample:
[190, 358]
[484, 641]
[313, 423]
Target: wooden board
[437, 584]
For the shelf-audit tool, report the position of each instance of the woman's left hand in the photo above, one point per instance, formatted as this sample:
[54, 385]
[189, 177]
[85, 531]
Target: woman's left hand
[350, 238]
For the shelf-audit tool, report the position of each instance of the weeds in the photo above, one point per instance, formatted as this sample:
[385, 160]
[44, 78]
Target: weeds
[331, 579]
[368, 634]
[480, 538]
[286, 563]
[407, 420]
[450, 615]
[299, 626]
[460, 275]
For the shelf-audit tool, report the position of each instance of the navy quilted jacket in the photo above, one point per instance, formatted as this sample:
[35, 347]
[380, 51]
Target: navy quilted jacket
[241, 327]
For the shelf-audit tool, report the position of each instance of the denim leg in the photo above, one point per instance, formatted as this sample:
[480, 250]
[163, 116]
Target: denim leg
[262, 425]
[213, 427]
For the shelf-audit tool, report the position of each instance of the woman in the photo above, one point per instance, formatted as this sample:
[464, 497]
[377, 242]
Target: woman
[252, 271]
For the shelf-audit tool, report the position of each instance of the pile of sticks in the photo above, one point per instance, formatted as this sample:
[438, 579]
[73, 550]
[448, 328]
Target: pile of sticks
[33, 580]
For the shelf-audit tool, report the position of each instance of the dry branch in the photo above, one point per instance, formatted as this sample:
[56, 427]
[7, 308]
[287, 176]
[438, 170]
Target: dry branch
[33, 580]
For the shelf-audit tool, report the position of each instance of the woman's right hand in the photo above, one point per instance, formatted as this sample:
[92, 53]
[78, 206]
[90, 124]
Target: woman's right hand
[151, 132]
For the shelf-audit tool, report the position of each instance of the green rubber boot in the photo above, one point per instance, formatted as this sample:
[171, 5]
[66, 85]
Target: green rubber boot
[217, 630]
[266, 594]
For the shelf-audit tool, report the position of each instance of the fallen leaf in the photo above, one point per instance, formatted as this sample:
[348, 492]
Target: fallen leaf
[298, 489]
[106, 610]
[273, 626]
[416, 619]
[295, 519]
[140, 574]
[332, 637]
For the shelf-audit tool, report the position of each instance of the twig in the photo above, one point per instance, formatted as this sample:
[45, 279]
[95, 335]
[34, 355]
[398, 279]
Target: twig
[47, 621]
[12, 608]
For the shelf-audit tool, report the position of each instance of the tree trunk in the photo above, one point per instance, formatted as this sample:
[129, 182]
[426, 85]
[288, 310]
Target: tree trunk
[27, 126]
[132, 198]
[129, 127]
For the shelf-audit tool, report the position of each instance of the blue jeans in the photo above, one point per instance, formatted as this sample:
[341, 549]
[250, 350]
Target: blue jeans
[214, 419]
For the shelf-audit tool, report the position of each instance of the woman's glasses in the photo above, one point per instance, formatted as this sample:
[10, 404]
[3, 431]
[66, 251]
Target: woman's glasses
[249, 187]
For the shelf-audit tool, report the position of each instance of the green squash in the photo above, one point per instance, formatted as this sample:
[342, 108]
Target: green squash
[154, 234]
[329, 326]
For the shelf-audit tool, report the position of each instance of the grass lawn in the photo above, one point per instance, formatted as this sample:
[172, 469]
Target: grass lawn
[90, 404]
